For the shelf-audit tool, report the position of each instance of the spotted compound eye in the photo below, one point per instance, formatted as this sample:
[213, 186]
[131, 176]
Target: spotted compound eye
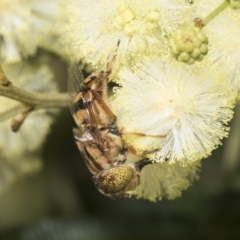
[115, 179]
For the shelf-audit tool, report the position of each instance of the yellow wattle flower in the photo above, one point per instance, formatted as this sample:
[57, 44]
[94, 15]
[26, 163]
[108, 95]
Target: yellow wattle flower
[190, 106]
[96, 27]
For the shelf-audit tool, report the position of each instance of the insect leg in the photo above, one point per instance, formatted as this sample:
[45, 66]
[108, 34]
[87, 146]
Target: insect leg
[139, 165]
[111, 64]
[144, 135]
[110, 118]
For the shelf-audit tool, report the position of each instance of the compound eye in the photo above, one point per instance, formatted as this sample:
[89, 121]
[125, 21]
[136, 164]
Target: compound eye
[115, 179]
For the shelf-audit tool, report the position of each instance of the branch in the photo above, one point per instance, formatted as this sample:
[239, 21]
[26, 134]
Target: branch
[29, 99]
[38, 100]
[17, 123]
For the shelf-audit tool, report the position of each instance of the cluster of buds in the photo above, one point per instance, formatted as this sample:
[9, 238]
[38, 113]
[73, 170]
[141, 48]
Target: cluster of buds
[189, 45]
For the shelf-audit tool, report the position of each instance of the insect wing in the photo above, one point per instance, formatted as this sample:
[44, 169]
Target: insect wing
[81, 99]
[75, 80]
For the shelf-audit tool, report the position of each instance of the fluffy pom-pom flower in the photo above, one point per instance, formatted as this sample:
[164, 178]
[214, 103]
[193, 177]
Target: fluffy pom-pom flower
[223, 32]
[98, 26]
[171, 111]
[22, 23]
[161, 180]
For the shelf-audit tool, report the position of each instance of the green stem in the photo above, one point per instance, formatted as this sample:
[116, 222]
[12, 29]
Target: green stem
[28, 99]
[217, 11]
[36, 99]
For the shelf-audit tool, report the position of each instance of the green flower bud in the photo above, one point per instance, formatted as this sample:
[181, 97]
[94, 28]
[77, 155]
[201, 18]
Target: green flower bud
[189, 45]
[235, 4]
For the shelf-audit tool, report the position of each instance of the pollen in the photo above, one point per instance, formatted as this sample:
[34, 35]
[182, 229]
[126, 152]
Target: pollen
[98, 26]
[130, 22]
[152, 16]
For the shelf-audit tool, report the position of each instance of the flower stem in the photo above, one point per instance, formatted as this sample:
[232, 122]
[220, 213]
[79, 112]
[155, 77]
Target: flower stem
[217, 11]
[28, 99]
[36, 99]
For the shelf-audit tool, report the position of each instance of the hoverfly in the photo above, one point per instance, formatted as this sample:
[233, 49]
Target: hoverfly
[97, 136]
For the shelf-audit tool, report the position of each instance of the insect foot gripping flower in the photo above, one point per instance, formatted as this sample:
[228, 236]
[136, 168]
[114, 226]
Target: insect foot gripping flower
[97, 27]
[161, 180]
[22, 23]
[172, 111]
